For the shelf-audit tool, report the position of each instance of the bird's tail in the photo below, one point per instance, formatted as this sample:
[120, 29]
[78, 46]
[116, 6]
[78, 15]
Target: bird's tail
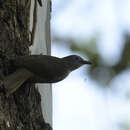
[15, 80]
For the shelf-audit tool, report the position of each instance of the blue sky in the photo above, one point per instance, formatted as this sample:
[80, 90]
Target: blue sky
[78, 104]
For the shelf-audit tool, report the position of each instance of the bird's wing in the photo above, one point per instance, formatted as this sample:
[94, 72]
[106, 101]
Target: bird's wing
[39, 64]
[16, 79]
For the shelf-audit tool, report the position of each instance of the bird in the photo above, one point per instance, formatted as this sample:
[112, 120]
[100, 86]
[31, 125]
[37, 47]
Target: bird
[41, 69]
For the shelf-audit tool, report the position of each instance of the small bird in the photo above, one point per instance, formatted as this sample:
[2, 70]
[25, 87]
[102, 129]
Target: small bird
[41, 69]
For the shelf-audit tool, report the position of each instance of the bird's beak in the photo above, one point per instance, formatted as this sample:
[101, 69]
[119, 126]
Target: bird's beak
[86, 62]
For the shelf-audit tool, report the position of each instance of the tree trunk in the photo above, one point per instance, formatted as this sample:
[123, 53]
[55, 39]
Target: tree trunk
[21, 110]
[42, 45]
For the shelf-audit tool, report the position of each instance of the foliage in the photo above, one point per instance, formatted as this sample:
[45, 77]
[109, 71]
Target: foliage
[101, 72]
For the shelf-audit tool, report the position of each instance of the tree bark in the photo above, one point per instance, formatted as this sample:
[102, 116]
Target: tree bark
[21, 110]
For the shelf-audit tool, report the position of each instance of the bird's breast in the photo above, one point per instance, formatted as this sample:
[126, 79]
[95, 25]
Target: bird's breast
[49, 77]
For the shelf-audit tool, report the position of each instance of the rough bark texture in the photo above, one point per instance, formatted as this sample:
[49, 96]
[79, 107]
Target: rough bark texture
[22, 110]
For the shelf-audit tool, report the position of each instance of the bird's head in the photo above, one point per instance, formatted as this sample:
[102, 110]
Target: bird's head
[75, 61]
